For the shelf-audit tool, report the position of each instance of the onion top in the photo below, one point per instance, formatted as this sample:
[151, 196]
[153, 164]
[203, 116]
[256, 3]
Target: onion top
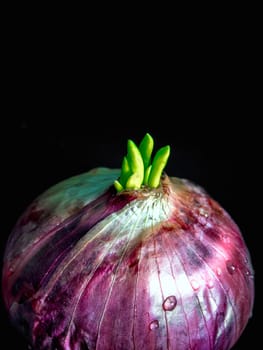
[137, 170]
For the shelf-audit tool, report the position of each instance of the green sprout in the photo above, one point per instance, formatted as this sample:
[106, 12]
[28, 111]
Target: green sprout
[137, 169]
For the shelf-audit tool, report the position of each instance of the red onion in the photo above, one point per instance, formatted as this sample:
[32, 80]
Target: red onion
[151, 262]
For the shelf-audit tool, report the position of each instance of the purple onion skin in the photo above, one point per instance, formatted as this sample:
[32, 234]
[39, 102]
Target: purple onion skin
[110, 273]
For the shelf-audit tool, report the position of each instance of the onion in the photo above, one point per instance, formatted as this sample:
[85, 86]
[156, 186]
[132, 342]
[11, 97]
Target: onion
[128, 259]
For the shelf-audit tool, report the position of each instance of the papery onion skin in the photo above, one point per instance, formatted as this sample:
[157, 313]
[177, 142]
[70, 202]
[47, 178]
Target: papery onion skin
[86, 268]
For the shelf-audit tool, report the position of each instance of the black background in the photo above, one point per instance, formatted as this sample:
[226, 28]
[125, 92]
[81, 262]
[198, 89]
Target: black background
[69, 106]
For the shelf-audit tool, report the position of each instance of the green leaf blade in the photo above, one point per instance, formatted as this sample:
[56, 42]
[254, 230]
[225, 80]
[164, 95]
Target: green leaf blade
[146, 148]
[159, 162]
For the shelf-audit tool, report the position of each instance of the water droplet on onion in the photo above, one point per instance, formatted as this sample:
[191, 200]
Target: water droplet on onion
[231, 268]
[226, 239]
[10, 270]
[218, 271]
[249, 274]
[210, 284]
[169, 303]
[195, 285]
[203, 215]
[154, 325]
[203, 212]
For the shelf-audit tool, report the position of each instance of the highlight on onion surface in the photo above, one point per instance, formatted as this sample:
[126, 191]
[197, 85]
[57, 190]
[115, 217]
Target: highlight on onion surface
[128, 259]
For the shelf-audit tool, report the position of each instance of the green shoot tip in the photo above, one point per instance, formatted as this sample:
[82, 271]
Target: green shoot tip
[137, 169]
